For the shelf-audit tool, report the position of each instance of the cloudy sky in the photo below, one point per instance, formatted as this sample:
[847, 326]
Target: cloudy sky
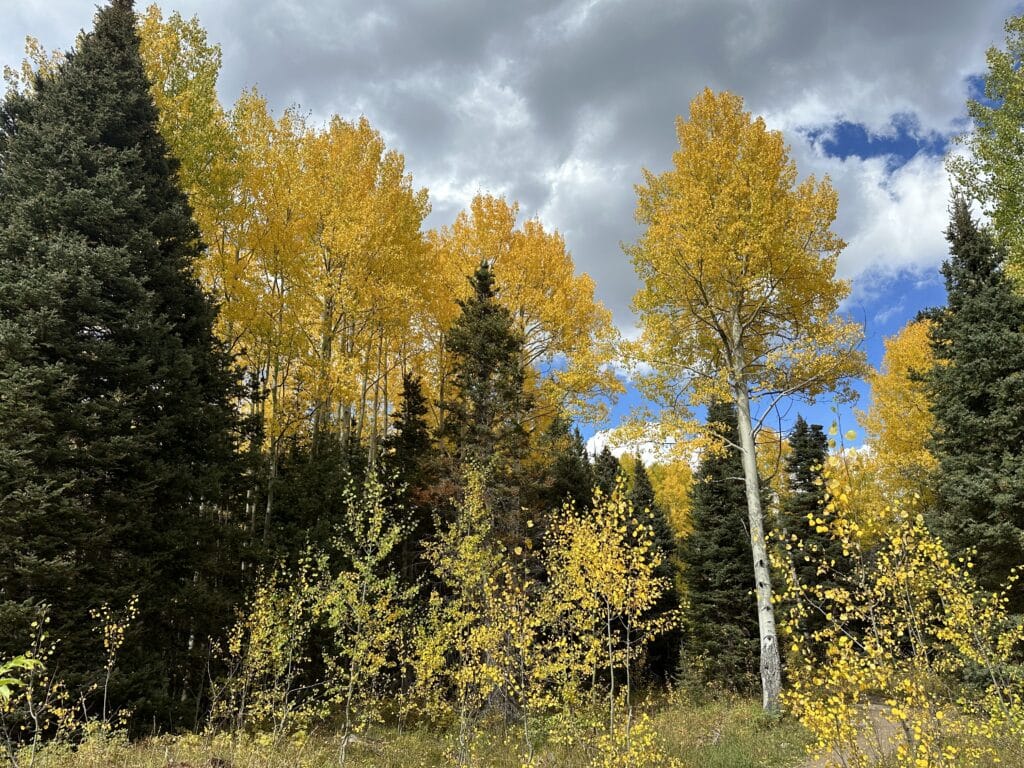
[559, 104]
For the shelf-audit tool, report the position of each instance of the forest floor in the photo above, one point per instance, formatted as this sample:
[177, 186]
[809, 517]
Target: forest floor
[731, 734]
[877, 742]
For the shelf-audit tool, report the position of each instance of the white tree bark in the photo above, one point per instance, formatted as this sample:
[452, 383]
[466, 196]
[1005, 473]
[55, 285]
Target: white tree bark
[771, 664]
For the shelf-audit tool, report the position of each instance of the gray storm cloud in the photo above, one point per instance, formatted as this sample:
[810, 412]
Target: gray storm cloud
[559, 105]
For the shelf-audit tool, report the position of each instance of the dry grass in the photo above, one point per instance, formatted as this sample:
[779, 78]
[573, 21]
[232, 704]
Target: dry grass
[719, 735]
[723, 734]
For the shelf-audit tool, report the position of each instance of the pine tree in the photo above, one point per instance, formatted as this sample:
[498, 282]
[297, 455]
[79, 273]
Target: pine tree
[409, 464]
[975, 388]
[606, 471]
[116, 418]
[663, 652]
[720, 632]
[804, 499]
[485, 427]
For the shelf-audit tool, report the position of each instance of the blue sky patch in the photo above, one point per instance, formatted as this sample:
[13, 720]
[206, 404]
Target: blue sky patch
[894, 302]
[845, 139]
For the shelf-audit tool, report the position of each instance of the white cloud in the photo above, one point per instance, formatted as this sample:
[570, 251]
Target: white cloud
[559, 104]
[892, 219]
[652, 451]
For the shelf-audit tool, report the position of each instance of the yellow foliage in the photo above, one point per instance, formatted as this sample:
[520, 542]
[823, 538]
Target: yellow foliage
[266, 651]
[35, 704]
[359, 603]
[915, 651]
[899, 420]
[632, 745]
[566, 330]
[38, 63]
[738, 256]
[328, 289]
[673, 488]
[478, 651]
[314, 248]
[739, 300]
[602, 569]
[112, 626]
[504, 644]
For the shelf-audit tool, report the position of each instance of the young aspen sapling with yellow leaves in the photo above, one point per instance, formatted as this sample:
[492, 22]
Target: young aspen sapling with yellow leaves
[367, 609]
[740, 297]
[921, 667]
[35, 704]
[604, 568]
[478, 649]
[112, 626]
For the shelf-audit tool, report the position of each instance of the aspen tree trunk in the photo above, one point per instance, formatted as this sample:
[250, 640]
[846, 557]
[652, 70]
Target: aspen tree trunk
[345, 410]
[275, 442]
[344, 425]
[364, 390]
[271, 481]
[442, 376]
[321, 415]
[771, 665]
[384, 397]
[371, 450]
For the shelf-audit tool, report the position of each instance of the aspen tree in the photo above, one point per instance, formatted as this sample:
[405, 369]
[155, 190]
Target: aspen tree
[552, 306]
[740, 296]
[990, 171]
[907, 645]
[899, 421]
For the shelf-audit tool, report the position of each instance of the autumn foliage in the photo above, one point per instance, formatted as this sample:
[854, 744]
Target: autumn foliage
[280, 467]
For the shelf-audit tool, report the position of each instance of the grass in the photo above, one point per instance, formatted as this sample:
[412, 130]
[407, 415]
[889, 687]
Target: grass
[730, 734]
[722, 734]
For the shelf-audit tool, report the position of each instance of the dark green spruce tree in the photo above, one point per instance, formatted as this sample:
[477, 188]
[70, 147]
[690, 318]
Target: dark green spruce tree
[808, 450]
[805, 498]
[309, 497]
[663, 653]
[642, 497]
[485, 424]
[720, 633]
[409, 464]
[117, 431]
[565, 474]
[607, 469]
[977, 393]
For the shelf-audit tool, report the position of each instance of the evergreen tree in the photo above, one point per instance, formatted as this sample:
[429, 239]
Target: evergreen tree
[976, 390]
[573, 475]
[485, 426]
[663, 652]
[116, 418]
[409, 444]
[409, 464]
[485, 419]
[642, 497]
[720, 632]
[805, 497]
[606, 471]
[808, 448]
[312, 476]
[566, 474]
